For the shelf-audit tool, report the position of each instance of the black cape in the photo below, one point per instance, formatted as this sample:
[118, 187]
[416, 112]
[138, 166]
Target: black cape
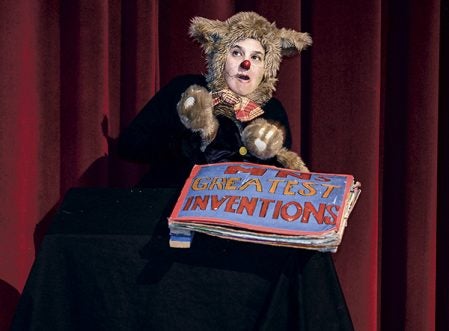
[158, 137]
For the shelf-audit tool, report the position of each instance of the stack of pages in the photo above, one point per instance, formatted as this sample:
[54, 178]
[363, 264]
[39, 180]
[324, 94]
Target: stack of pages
[265, 205]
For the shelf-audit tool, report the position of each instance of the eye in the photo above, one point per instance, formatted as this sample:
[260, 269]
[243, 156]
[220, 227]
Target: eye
[257, 58]
[236, 52]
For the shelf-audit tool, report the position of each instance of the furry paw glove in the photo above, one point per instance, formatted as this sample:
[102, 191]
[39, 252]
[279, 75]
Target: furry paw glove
[195, 111]
[265, 140]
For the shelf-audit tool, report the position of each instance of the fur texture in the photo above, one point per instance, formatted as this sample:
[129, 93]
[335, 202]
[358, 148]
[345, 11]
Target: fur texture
[263, 139]
[215, 37]
[195, 111]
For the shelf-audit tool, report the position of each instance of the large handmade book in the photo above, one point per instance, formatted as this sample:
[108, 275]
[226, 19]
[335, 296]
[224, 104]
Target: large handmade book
[264, 204]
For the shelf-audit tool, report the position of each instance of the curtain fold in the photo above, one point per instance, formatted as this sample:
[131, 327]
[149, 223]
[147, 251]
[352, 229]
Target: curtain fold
[369, 98]
[344, 134]
[442, 275]
[29, 138]
[410, 165]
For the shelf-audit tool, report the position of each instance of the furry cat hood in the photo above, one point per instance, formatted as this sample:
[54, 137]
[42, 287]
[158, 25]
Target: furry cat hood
[217, 37]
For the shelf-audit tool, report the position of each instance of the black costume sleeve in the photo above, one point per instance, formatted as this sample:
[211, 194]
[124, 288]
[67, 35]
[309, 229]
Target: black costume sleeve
[156, 130]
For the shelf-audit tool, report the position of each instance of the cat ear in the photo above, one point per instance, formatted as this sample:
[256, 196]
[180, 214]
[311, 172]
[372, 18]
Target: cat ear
[207, 32]
[293, 42]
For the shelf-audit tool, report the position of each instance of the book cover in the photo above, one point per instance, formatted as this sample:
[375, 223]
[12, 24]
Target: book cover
[264, 204]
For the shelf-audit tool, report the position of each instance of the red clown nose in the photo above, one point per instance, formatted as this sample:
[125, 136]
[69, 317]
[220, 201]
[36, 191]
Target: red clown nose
[246, 64]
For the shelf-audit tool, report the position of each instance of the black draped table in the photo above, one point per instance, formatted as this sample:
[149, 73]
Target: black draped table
[105, 264]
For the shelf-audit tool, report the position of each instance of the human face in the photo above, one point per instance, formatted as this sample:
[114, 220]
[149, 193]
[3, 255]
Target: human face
[244, 66]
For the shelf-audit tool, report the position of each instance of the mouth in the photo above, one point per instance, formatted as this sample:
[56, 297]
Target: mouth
[243, 77]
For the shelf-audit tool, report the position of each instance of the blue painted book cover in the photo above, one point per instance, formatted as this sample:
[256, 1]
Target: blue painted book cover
[264, 204]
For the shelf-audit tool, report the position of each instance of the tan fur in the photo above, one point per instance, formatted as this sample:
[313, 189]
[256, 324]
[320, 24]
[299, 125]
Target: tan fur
[291, 160]
[263, 139]
[216, 37]
[196, 113]
[261, 132]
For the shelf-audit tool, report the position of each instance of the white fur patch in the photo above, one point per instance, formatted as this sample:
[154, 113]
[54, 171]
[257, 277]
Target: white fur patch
[189, 102]
[270, 133]
[261, 146]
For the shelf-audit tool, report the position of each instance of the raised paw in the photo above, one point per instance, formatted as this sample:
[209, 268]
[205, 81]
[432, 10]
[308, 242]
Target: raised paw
[195, 107]
[263, 139]
[195, 112]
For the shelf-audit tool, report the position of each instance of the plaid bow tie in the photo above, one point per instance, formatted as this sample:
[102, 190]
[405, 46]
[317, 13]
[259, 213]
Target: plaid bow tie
[244, 109]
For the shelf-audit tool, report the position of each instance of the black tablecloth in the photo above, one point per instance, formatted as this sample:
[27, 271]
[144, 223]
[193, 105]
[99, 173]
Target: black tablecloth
[105, 264]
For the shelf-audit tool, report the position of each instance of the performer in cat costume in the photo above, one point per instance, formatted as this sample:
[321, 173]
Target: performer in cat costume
[229, 114]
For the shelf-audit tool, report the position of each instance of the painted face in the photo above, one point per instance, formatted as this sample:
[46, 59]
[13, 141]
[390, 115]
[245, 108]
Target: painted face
[244, 67]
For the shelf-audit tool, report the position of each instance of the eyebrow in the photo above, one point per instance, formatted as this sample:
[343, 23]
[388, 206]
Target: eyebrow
[243, 49]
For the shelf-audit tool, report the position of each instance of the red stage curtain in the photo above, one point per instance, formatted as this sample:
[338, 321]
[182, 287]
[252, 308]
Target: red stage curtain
[369, 98]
